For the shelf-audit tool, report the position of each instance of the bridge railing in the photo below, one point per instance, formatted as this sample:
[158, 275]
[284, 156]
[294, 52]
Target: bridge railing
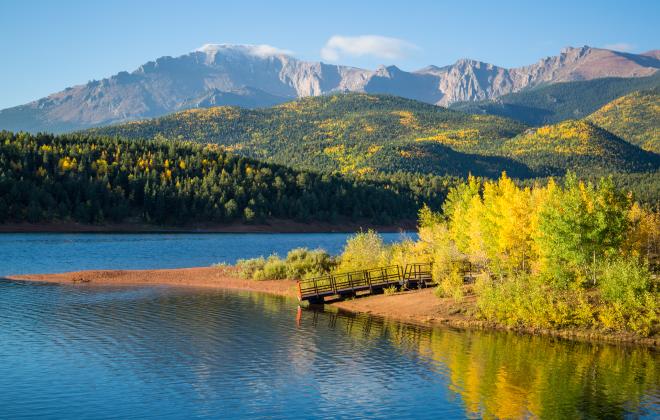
[418, 271]
[384, 275]
[378, 277]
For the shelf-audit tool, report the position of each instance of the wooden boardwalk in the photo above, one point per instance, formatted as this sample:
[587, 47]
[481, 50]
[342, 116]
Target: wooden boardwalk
[373, 280]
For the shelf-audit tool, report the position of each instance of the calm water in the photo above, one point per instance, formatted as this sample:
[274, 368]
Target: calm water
[161, 352]
[56, 252]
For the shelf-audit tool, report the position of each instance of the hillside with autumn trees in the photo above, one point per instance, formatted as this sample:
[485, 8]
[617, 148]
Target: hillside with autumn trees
[363, 134]
[347, 133]
[375, 157]
[580, 145]
[46, 178]
[634, 117]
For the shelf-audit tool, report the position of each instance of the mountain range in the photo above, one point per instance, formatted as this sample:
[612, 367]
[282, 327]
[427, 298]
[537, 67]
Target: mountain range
[253, 76]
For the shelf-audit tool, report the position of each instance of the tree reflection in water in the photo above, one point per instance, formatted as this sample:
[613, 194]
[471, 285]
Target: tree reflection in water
[508, 375]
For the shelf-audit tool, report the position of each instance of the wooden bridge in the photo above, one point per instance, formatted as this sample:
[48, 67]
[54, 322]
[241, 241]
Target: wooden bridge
[369, 281]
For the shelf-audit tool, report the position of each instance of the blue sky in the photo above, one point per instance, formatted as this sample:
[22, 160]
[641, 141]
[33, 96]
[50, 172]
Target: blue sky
[48, 45]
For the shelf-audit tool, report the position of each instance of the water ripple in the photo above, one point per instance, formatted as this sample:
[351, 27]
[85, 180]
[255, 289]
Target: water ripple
[82, 352]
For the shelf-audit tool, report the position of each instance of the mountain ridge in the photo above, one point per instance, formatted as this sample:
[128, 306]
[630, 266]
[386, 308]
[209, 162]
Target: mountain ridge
[559, 101]
[270, 75]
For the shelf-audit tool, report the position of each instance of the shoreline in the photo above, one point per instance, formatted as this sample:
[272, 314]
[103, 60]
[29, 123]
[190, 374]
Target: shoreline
[269, 226]
[208, 277]
[416, 307]
[424, 308]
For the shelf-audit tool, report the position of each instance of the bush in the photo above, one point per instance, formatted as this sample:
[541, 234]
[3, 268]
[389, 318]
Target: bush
[363, 250]
[303, 263]
[625, 280]
[526, 300]
[629, 294]
[450, 284]
[389, 291]
[273, 269]
[247, 267]
[300, 263]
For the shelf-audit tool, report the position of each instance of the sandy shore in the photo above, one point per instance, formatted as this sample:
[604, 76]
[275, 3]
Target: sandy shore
[419, 307]
[194, 277]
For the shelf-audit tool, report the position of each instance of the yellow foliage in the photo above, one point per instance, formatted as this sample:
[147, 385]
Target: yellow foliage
[566, 138]
[100, 166]
[339, 149]
[348, 161]
[234, 147]
[407, 119]
[461, 137]
[166, 175]
[67, 164]
[644, 236]
[374, 148]
[207, 114]
[365, 170]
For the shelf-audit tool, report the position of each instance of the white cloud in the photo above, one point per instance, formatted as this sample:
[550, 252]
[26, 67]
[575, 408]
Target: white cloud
[367, 45]
[620, 46]
[265, 50]
[262, 50]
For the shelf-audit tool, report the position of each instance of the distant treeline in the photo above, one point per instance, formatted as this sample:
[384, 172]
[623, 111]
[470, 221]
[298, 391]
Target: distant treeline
[88, 179]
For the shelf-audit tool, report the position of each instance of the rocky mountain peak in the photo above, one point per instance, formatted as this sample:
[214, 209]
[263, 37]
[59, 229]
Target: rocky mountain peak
[261, 75]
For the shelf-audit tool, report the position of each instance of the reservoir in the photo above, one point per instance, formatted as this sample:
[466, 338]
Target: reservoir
[168, 352]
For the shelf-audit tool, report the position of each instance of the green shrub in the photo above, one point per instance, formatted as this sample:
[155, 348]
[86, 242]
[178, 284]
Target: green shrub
[247, 267]
[526, 300]
[625, 280]
[300, 263]
[389, 291]
[304, 263]
[450, 284]
[363, 250]
[273, 269]
[629, 296]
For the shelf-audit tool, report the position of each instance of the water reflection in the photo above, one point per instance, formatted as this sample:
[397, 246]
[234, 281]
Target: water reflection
[507, 375]
[159, 352]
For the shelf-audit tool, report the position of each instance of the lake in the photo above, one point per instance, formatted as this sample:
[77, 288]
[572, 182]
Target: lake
[167, 352]
[24, 253]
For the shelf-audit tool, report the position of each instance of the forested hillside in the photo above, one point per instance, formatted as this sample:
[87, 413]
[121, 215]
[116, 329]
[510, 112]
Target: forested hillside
[364, 135]
[45, 178]
[634, 117]
[561, 101]
[349, 133]
[579, 145]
